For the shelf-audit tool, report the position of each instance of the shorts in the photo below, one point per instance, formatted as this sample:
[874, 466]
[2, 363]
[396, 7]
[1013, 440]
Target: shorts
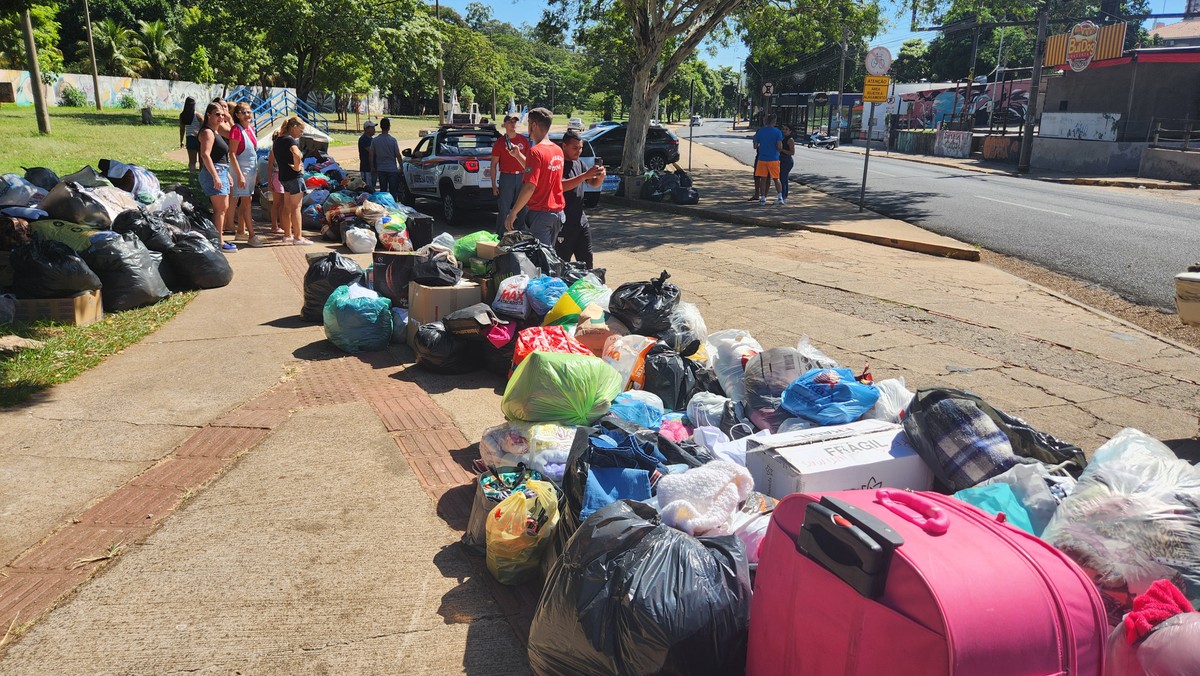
[276, 186]
[250, 173]
[208, 185]
[294, 186]
[767, 169]
[192, 143]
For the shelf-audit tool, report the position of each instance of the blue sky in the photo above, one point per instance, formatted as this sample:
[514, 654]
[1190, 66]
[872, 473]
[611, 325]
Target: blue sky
[897, 13]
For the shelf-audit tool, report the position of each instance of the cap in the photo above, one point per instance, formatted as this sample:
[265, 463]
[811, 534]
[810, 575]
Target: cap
[514, 118]
[368, 123]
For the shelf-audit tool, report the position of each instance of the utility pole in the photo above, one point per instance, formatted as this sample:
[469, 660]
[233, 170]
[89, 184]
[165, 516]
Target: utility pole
[437, 8]
[691, 127]
[87, 13]
[35, 74]
[841, 81]
[1035, 85]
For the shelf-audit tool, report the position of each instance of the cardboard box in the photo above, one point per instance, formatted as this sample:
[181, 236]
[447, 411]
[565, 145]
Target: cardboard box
[1187, 297]
[487, 250]
[431, 303]
[79, 310]
[859, 455]
[390, 274]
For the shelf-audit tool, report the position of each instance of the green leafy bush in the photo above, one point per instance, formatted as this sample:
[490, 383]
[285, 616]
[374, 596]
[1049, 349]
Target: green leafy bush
[73, 97]
[127, 101]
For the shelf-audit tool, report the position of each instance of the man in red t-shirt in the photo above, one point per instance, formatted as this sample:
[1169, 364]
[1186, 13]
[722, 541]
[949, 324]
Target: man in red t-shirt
[507, 170]
[543, 191]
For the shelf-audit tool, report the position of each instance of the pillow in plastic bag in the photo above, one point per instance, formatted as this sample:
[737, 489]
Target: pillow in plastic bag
[570, 389]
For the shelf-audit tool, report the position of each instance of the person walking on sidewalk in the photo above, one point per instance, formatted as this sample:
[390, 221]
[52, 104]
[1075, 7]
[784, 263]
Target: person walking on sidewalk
[575, 239]
[385, 159]
[543, 189]
[787, 160]
[768, 141]
[507, 169]
[365, 170]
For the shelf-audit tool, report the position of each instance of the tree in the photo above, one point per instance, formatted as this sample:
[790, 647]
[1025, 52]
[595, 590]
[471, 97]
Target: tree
[117, 50]
[45, 35]
[22, 8]
[160, 49]
[551, 29]
[470, 59]
[910, 65]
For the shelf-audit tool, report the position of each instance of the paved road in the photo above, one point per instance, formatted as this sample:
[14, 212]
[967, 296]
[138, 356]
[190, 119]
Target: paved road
[1131, 242]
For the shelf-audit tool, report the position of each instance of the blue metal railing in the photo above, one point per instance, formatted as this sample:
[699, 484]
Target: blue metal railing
[283, 104]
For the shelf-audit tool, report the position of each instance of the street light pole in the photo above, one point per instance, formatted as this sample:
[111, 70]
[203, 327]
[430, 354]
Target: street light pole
[35, 74]
[1035, 85]
[87, 13]
[437, 8]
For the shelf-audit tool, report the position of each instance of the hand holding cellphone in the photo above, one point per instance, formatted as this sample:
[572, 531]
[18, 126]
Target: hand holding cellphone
[599, 161]
[508, 143]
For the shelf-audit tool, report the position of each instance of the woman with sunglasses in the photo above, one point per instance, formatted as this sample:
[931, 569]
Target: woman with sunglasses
[244, 146]
[290, 163]
[218, 169]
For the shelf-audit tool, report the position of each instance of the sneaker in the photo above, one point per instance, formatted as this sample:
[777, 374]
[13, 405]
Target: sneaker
[778, 201]
[229, 247]
[302, 241]
[254, 241]
[762, 200]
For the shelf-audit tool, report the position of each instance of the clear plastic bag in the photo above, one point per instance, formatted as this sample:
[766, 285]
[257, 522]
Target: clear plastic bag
[728, 352]
[687, 327]
[706, 409]
[1040, 489]
[360, 240]
[542, 446]
[627, 354]
[894, 397]
[518, 530]
[1133, 518]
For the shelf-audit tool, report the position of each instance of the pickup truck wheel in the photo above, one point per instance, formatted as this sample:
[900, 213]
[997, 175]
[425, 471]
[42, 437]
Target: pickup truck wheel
[591, 200]
[451, 210]
[656, 161]
[407, 197]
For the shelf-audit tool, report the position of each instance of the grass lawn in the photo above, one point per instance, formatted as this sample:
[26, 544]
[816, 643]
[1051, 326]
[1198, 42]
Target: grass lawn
[81, 137]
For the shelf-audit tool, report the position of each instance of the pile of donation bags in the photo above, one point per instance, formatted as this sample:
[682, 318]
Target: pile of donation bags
[81, 233]
[692, 502]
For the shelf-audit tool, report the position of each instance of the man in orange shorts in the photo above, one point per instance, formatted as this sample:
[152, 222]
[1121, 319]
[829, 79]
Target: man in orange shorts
[768, 141]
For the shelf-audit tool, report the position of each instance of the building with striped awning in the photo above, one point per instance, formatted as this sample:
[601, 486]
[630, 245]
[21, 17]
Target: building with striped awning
[1110, 44]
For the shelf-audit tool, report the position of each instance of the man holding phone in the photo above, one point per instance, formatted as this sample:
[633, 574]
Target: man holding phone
[575, 238]
[508, 167]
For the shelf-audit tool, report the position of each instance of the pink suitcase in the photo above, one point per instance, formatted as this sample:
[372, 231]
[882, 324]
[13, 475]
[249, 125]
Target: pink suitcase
[872, 582]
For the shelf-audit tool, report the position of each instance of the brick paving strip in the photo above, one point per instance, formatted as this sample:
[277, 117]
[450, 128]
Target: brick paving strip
[48, 574]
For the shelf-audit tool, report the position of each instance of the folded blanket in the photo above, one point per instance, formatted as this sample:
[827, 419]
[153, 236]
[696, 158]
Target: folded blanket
[703, 499]
[606, 485]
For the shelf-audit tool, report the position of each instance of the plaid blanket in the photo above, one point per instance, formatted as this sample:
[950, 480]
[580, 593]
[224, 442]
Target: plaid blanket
[969, 447]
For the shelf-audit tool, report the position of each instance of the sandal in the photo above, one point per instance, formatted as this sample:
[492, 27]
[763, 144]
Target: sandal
[276, 231]
[302, 241]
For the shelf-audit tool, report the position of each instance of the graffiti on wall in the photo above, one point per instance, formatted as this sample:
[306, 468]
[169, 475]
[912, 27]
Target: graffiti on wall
[991, 104]
[160, 94]
[952, 143]
[1083, 126]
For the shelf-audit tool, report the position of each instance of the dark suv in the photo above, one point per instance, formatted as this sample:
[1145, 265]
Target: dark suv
[662, 147]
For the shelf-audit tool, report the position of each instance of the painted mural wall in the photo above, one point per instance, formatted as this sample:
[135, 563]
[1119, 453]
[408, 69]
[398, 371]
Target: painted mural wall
[160, 94]
[999, 102]
[1084, 126]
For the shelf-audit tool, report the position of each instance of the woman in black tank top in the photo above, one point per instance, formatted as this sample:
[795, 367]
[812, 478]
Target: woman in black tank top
[216, 172]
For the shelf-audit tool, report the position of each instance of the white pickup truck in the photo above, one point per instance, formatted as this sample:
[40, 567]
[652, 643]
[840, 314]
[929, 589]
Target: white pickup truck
[453, 164]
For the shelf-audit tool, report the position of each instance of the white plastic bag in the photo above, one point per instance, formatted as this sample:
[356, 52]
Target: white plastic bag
[814, 358]
[511, 298]
[360, 240]
[1038, 488]
[728, 352]
[706, 409]
[894, 397]
[15, 191]
[627, 354]
[686, 326]
[541, 446]
[444, 240]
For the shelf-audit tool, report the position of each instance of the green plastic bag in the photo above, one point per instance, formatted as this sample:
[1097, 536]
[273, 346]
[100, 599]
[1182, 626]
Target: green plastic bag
[464, 247]
[569, 389]
[582, 293]
[996, 498]
[358, 319]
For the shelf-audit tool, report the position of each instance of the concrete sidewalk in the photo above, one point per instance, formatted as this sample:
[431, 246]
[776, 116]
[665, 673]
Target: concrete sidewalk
[268, 503]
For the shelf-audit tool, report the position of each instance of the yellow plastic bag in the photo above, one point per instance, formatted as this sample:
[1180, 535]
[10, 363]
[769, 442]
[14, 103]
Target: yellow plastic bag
[518, 529]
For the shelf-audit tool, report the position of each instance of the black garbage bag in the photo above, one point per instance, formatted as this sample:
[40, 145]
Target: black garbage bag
[197, 263]
[14, 232]
[947, 429]
[128, 272]
[440, 351]
[498, 360]
[171, 278]
[669, 377]
[645, 307]
[681, 195]
[323, 276]
[574, 271]
[44, 268]
[41, 177]
[542, 256]
[435, 269]
[512, 264]
[150, 228]
[191, 219]
[631, 595]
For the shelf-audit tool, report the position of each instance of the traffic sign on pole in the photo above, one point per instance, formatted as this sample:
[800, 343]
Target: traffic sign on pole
[878, 61]
[875, 88]
[768, 89]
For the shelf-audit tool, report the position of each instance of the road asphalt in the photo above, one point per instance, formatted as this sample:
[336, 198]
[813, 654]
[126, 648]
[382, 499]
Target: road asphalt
[1130, 242]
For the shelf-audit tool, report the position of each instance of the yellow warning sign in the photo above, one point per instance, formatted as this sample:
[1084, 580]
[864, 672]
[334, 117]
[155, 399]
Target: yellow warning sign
[875, 88]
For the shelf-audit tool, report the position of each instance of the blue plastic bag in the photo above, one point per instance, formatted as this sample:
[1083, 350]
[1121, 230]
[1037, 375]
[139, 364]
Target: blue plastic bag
[384, 199]
[358, 319]
[636, 408]
[829, 396]
[543, 293]
[996, 498]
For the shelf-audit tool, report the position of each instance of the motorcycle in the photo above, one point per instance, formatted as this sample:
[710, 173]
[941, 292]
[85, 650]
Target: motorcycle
[823, 140]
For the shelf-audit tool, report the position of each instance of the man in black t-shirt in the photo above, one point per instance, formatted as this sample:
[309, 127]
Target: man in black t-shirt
[575, 238]
[364, 155]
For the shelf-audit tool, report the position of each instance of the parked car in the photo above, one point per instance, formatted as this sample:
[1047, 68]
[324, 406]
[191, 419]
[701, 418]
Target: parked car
[662, 146]
[453, 165]
[697, 121]
[575, 123]
[603, 123]
[591, 196]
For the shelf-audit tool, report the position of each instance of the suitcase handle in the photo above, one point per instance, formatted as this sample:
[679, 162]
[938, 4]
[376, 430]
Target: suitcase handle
[849, 543]
[915, 509]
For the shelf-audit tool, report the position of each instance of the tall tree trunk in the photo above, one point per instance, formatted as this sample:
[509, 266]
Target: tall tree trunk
[35, 74]
[641, 109]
